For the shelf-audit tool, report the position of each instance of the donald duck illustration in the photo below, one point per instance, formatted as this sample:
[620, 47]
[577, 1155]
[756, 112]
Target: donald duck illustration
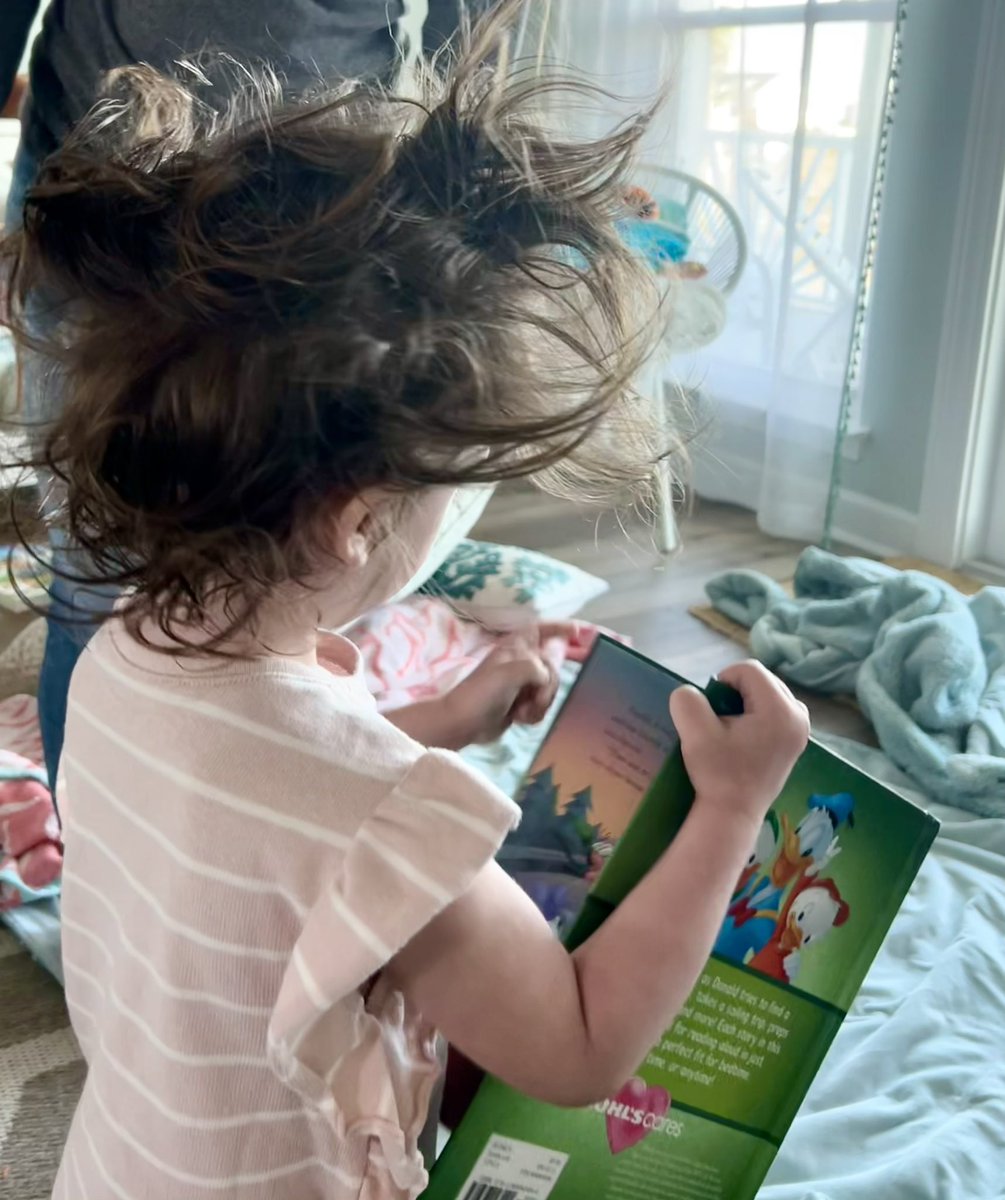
[756, 910]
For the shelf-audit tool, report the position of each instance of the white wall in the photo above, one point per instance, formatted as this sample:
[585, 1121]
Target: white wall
[882, 489]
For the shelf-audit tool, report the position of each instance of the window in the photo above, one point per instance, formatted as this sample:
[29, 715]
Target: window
[778, 107]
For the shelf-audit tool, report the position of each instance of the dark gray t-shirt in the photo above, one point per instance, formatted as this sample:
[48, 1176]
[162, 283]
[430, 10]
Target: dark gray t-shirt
[82, 39]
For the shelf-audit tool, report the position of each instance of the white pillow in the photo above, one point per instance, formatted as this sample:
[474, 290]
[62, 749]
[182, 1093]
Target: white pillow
[506, 586]
[466, 506]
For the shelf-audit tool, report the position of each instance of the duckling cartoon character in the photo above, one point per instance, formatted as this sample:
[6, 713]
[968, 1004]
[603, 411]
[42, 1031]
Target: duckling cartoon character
[814, 908]
[764, 850]
[805, 850]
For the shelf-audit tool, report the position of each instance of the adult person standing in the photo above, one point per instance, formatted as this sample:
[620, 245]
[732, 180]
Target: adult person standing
[80, 41]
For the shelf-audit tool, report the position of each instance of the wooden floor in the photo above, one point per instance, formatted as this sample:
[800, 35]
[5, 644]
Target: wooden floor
[650, 595]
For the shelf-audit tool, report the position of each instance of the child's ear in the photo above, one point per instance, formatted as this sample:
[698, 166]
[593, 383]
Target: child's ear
[350, 525]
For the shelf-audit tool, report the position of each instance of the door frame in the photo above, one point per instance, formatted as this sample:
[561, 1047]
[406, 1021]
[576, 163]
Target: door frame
[969, 393]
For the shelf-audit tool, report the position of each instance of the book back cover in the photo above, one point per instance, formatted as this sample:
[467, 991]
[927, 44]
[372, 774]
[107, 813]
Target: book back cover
[704, 1114]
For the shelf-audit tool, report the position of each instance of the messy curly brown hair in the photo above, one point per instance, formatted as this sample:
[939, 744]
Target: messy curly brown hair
[263, 312]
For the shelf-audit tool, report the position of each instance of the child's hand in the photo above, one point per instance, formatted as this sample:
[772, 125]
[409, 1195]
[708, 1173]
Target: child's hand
[741, 763]
[583, 635]
[515, 684]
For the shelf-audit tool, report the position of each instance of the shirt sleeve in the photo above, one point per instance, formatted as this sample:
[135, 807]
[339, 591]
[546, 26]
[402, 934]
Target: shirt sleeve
[410, 859]
[15, 25]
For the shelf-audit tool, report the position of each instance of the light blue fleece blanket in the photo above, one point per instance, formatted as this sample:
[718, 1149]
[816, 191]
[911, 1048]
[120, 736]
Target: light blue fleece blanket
[926, 663]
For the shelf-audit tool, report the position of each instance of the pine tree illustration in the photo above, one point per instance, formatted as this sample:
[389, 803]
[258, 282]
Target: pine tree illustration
[575, 832]
[567, 835]
[539, 802]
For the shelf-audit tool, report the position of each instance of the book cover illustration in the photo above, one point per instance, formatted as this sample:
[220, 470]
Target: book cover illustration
[706, 1111]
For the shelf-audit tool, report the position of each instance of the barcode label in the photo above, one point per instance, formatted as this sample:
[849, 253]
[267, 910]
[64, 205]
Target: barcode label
[511, 1170]
[483, 1191]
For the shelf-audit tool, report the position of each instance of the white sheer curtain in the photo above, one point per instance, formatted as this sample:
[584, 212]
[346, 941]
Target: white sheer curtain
[777, 105]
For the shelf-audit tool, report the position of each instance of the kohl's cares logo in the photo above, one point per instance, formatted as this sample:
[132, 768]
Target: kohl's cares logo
[635, 1112]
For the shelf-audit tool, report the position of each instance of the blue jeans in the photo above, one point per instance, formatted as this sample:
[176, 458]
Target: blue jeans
[67, 632]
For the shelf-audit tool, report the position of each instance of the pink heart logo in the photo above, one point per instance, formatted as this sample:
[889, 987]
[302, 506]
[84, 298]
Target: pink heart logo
[634, 1112]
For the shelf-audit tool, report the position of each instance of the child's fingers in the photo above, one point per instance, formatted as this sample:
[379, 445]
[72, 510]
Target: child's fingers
[535, 707]
[524, 670]
[527, 713]
[579, 650]
[516, 642]
[534, 702]
[569, 632]
[692, 715]
[553, 649]
[561, 640]
[756, 684]
[554, 652]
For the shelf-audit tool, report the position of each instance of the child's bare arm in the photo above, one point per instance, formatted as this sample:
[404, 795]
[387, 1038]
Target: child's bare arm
[571, 1029]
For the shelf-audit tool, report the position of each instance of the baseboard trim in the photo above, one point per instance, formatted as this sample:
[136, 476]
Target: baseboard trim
[992, 574]
[875, 527]
[731, 478]
[861, 522]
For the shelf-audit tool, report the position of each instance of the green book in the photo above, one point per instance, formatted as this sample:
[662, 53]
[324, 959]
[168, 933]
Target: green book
[706, 1111]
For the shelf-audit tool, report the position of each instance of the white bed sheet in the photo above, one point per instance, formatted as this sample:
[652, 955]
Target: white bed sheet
[910, 1102]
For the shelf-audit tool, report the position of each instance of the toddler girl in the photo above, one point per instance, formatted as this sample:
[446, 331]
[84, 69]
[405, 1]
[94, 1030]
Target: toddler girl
[286, 335]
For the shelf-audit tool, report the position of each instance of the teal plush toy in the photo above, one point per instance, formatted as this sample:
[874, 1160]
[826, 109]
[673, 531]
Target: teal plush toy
[656, 242]
[655, 229]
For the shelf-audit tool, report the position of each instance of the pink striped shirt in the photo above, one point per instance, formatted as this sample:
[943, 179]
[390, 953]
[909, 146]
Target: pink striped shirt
[247, 844]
